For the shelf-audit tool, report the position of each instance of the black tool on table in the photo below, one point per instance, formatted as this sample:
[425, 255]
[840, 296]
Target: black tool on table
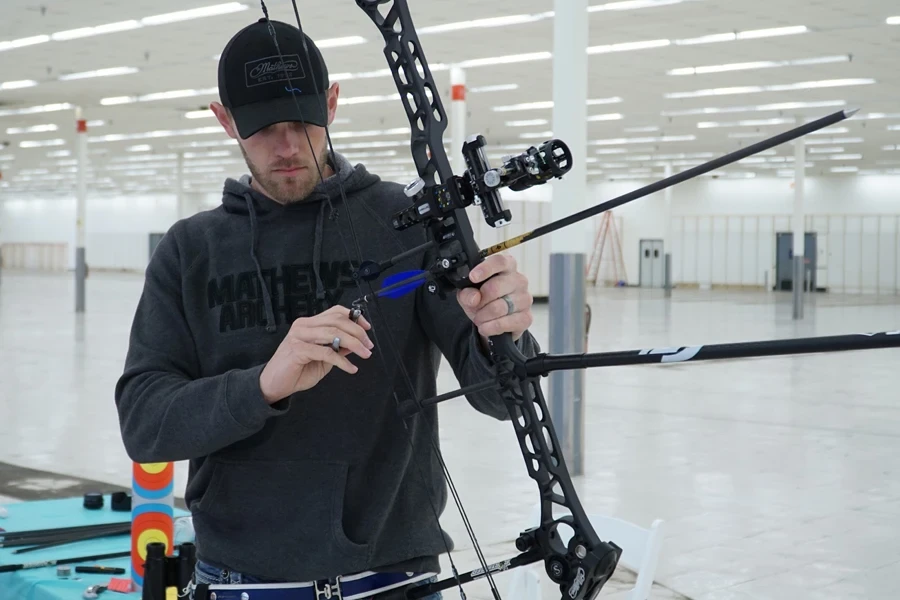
[40, 564]
[101, 570]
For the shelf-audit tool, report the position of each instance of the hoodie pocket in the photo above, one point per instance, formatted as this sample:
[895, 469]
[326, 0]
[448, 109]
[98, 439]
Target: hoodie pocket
[291, 504]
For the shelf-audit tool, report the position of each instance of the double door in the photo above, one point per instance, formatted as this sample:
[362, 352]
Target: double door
[653, 264]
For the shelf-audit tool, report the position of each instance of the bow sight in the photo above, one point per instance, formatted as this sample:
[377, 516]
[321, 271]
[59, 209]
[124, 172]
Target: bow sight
[479, 184]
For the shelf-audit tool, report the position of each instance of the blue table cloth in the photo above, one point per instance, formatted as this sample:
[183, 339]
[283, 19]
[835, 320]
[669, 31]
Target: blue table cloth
[42, 583]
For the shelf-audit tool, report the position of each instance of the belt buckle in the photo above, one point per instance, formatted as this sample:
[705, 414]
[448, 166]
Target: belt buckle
[329, 591]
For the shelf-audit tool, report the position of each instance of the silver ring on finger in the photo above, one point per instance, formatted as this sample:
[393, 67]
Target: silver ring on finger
[510, 307]
[336, 344]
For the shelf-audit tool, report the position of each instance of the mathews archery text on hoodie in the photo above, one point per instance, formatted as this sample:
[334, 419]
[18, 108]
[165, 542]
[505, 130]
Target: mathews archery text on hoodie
[325, 482]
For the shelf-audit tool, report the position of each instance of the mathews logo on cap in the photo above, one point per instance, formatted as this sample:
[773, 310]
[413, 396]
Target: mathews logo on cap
[261, 86]
[273, 68]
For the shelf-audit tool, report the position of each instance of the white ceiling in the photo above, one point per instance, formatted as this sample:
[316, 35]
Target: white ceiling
[180, 56]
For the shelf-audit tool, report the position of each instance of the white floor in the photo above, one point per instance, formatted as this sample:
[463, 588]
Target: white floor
[777, 478]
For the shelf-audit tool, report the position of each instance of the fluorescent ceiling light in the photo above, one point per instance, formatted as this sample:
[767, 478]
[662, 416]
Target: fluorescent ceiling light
[370, 133]
[199, 114]
[500, 87]
[893, 20]
[32, 110]
[757, 108]
[41, 143]
[117, 137]
[505, 60]
[893, 127]
[350, 40]
[33, 129]
[773, 32]
[71, 34]
[16, 85]
[846, 157]
[627, 46]
[520, 19]
[643, 140]
[109, 72]
[527, 123]
[172, 94]
[743, 35]
[549, 104]
[606, 117]
[611, 100]
[195, 13]
[139, 148]
[59, 154]
[746, 123]
[646, 129]
[766, 64]
[206, 144]
[632, 5]
[379, 154]
[830, 131]
[836, 140]
[877, 116]
[803, 85]
[535, 135]
[82, 32]
[22, 42]
[844, 169]
[825, 83]
[829, 150]
[485, 23]
[368, 99]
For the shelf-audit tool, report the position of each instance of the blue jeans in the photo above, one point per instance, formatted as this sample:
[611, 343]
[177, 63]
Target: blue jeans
[209, 574]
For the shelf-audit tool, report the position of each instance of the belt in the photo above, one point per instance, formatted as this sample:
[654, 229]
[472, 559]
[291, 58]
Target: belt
[345, 587]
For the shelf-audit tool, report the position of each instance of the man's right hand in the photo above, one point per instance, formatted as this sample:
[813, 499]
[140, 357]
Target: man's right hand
[305, 355]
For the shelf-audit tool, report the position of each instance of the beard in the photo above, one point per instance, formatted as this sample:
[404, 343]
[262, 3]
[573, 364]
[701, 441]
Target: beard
[288, 189]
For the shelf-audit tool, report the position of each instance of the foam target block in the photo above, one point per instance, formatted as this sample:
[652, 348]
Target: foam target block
[152, 513]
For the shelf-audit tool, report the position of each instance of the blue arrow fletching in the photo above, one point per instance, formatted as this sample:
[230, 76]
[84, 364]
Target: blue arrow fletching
[415, 280]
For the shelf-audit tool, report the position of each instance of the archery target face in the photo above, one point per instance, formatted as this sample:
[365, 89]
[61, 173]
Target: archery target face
[153, 477]
[152, 513]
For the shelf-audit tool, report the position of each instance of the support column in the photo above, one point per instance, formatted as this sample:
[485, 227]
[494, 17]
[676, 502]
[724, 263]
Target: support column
[667, 238]
[80, 210]
[799, 229]
[567, 259]
[179, 186]
[458, 118]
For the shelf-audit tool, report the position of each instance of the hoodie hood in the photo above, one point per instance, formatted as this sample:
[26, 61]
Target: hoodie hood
[242, 199]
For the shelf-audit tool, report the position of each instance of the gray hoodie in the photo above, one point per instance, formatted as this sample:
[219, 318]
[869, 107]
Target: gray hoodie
[328, 481]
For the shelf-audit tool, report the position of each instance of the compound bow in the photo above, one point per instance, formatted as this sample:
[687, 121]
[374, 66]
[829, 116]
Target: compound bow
[583, 563]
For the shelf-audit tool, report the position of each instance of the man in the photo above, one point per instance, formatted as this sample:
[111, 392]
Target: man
[301, 469]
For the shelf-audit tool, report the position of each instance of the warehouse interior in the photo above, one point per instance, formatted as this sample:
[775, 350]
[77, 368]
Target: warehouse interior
[747, 478]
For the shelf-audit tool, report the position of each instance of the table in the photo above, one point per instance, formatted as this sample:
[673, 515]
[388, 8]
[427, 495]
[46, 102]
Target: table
[42, 583]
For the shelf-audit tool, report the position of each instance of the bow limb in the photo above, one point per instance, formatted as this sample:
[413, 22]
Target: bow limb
[582, 564]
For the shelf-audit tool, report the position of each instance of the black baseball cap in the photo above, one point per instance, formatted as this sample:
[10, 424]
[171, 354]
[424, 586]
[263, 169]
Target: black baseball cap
[260, 87]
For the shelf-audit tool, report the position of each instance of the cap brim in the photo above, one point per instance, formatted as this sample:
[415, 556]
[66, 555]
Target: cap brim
[306, 108]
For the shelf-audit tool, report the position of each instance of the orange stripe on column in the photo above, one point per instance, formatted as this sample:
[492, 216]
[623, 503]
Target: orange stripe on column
[458, 91]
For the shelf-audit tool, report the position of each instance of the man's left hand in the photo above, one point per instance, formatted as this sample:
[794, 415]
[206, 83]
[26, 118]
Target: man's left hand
[501, 305]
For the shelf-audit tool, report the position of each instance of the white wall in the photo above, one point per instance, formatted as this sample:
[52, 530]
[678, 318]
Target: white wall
[117, 227]
[722, 230]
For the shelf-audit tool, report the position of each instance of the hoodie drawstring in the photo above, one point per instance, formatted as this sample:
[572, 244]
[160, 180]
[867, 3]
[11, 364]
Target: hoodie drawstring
[317, 253]
[270, 314]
